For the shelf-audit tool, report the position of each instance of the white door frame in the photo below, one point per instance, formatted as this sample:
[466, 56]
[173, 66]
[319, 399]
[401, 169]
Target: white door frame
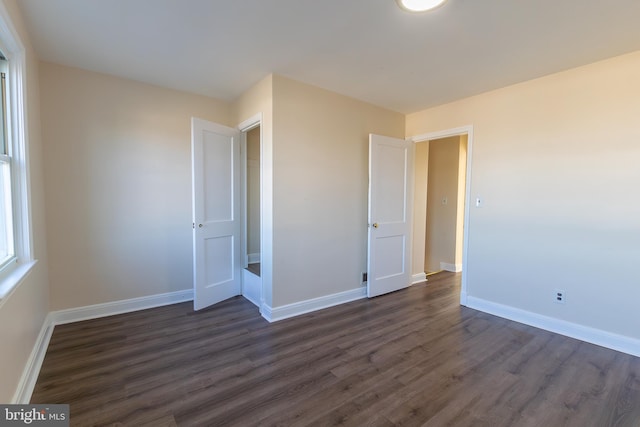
[244, 127]
[463, 130]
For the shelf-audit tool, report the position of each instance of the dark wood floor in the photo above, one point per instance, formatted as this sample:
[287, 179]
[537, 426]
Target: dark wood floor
[414, 357]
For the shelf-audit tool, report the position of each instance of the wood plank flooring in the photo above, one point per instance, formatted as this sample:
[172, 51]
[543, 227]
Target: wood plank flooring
[414, 357]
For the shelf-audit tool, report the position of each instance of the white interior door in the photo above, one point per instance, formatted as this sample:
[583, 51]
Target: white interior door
[390, 213]
[217, 269]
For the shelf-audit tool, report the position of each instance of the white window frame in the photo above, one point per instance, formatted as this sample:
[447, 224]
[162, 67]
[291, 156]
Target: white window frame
[17, 135]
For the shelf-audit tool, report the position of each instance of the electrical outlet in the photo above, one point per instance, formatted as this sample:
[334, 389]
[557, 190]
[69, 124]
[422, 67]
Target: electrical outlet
[445, 200]
[559, 296]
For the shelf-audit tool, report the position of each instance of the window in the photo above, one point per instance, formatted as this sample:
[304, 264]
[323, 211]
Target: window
[7, 252]
[16, 256]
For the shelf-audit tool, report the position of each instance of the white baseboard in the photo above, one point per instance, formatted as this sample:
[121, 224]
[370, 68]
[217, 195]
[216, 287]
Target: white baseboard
[454, 268]
[584, 333]
[34, 363]
[307, 306]
[463, 298]
[418, 278]
[253, 258]
[118, 307]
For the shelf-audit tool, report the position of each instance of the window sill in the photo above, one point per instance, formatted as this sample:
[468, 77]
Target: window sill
[11, 281]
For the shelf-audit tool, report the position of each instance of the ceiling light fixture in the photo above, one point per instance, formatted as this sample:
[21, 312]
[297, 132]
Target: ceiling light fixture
[419, 5]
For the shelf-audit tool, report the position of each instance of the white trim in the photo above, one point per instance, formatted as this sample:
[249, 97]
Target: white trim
[118, 307]
[267, 313]
[418, 278]
[32, 369]
[20, 153]
[584, 333]
[251, 300]
[251, 287]
[244, 127]
[307, 306]
[454, 268]
[442, 134]
[10, 282]
[253, 258]
[244, 188]
[468, 130]
[251, 123]
[17, 129]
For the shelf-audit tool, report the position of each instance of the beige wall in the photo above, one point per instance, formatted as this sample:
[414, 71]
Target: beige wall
[442, 182]
[118, 185]
[253, 191]
[23, 312]
[320, 162]
[556, 162]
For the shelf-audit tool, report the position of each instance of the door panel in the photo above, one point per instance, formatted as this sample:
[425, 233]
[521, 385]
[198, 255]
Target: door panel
[390, 249]
[219, 259]
[218, 172]
[216, 208]
[390, 213]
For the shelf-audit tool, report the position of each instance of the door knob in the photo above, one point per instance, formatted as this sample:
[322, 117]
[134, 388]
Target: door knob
[375, 225]
[200, 226]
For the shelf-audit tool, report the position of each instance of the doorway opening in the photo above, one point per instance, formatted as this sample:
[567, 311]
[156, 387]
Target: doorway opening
[251, 280]
[253, 201]
[442, 200]
[445, 192]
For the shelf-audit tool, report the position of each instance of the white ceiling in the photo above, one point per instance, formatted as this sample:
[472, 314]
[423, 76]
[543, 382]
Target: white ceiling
[366, 49]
